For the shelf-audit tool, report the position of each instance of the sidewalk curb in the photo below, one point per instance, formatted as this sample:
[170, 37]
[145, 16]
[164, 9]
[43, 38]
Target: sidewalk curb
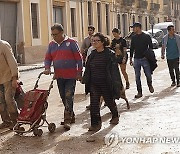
[30, 69]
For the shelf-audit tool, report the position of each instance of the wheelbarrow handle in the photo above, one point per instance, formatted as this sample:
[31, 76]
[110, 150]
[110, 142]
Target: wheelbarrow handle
[36, 84]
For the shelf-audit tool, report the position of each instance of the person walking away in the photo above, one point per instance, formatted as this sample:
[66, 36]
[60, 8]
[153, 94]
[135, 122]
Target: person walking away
[171, 44]
[119, 45]
[140, 43]
[65, 54]
[102, 78]
[87, 43]
[8, 83]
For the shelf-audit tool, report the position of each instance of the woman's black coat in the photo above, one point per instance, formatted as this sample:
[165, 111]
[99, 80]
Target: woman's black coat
[112, 73]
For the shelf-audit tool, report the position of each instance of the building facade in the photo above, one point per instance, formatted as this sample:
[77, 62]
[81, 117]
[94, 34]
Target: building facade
[148, 12]
[25, 24]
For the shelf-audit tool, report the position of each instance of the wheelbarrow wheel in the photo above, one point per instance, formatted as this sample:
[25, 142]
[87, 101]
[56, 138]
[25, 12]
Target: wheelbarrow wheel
[51, 127]
[37, 132]
[21, 129]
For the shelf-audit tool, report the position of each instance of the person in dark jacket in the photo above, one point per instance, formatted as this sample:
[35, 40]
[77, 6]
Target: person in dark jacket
[102, 78]
[140, 43]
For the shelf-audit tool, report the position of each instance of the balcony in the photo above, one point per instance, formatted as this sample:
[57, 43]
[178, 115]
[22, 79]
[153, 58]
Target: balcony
[142, 4]
[176, 13]
[166, 2]
[167, 10]
[127, 2]
[154, 7]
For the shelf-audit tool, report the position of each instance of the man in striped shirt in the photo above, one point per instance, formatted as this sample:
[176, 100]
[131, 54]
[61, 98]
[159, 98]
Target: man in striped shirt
[65, 55]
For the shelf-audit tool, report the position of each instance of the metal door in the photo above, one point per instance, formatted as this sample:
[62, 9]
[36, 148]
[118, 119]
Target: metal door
[8, 23]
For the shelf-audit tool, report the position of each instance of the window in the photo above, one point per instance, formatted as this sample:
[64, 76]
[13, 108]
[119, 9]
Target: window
[140, 19]
[90, 13]
[58, 15]
[99, 16]
[73, 22]
[133, 19]
[35, 21]
[119, 21]
[146, 23]
[107, 18]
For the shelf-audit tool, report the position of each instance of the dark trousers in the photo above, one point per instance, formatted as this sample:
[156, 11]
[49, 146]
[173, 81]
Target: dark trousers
[96, 91]
[66, 90]
[173, 65]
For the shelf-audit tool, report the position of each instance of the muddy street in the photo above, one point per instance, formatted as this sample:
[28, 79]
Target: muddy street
[152, 117]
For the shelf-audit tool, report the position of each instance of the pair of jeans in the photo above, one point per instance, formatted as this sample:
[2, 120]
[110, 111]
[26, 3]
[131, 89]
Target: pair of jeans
[173, 65]
[138, 63]
[66, 90]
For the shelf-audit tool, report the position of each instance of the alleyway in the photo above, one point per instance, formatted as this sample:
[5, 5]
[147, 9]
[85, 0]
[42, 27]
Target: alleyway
[154, 115]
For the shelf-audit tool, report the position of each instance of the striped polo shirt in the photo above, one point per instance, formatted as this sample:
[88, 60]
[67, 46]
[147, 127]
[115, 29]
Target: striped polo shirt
[66, 58]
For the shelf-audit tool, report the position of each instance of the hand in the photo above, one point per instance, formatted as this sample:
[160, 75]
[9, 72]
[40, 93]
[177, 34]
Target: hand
[14, 83]
[79, 78]
[47, 71]
[162, 56]
[124, 61]
[131, 62]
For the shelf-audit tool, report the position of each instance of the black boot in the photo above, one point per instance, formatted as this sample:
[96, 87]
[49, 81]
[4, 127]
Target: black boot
[115, 116]
[96, 123]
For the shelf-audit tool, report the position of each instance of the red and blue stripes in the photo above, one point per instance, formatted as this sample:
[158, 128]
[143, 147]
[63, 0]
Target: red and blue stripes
[66, 58]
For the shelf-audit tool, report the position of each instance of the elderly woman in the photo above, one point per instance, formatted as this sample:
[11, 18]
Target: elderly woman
[102, 78]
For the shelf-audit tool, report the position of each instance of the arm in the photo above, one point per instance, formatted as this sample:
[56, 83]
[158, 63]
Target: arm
[163, 49]
[11, 60]
[83, 46]
[150, 42]
[112, 46]
[48, 60]
[78, 58]
[12, 63]
[132, 51]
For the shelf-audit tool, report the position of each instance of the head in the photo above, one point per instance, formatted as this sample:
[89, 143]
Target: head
[91, 30]
[100, 41]
[57, 32]
[171, 29]
[136, 27]
[116, 32]
[92, 39]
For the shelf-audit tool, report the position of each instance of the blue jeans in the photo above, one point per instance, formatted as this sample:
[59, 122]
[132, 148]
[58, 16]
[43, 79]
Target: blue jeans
[138, 63]
[66, 90]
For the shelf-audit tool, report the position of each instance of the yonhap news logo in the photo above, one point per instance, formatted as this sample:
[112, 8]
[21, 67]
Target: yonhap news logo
[112, 139]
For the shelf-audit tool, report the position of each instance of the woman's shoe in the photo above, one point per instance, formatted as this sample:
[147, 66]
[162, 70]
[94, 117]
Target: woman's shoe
[95, 128]
[114, 121]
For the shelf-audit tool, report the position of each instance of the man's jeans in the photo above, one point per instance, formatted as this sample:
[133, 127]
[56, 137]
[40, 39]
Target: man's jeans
[138, 63]
[66, 90]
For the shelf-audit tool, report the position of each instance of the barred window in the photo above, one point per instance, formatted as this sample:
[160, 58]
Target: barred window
[99, 16]
[58, 14]
[90, 13]
[73, 22]
[35, 21]
[107, 19]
